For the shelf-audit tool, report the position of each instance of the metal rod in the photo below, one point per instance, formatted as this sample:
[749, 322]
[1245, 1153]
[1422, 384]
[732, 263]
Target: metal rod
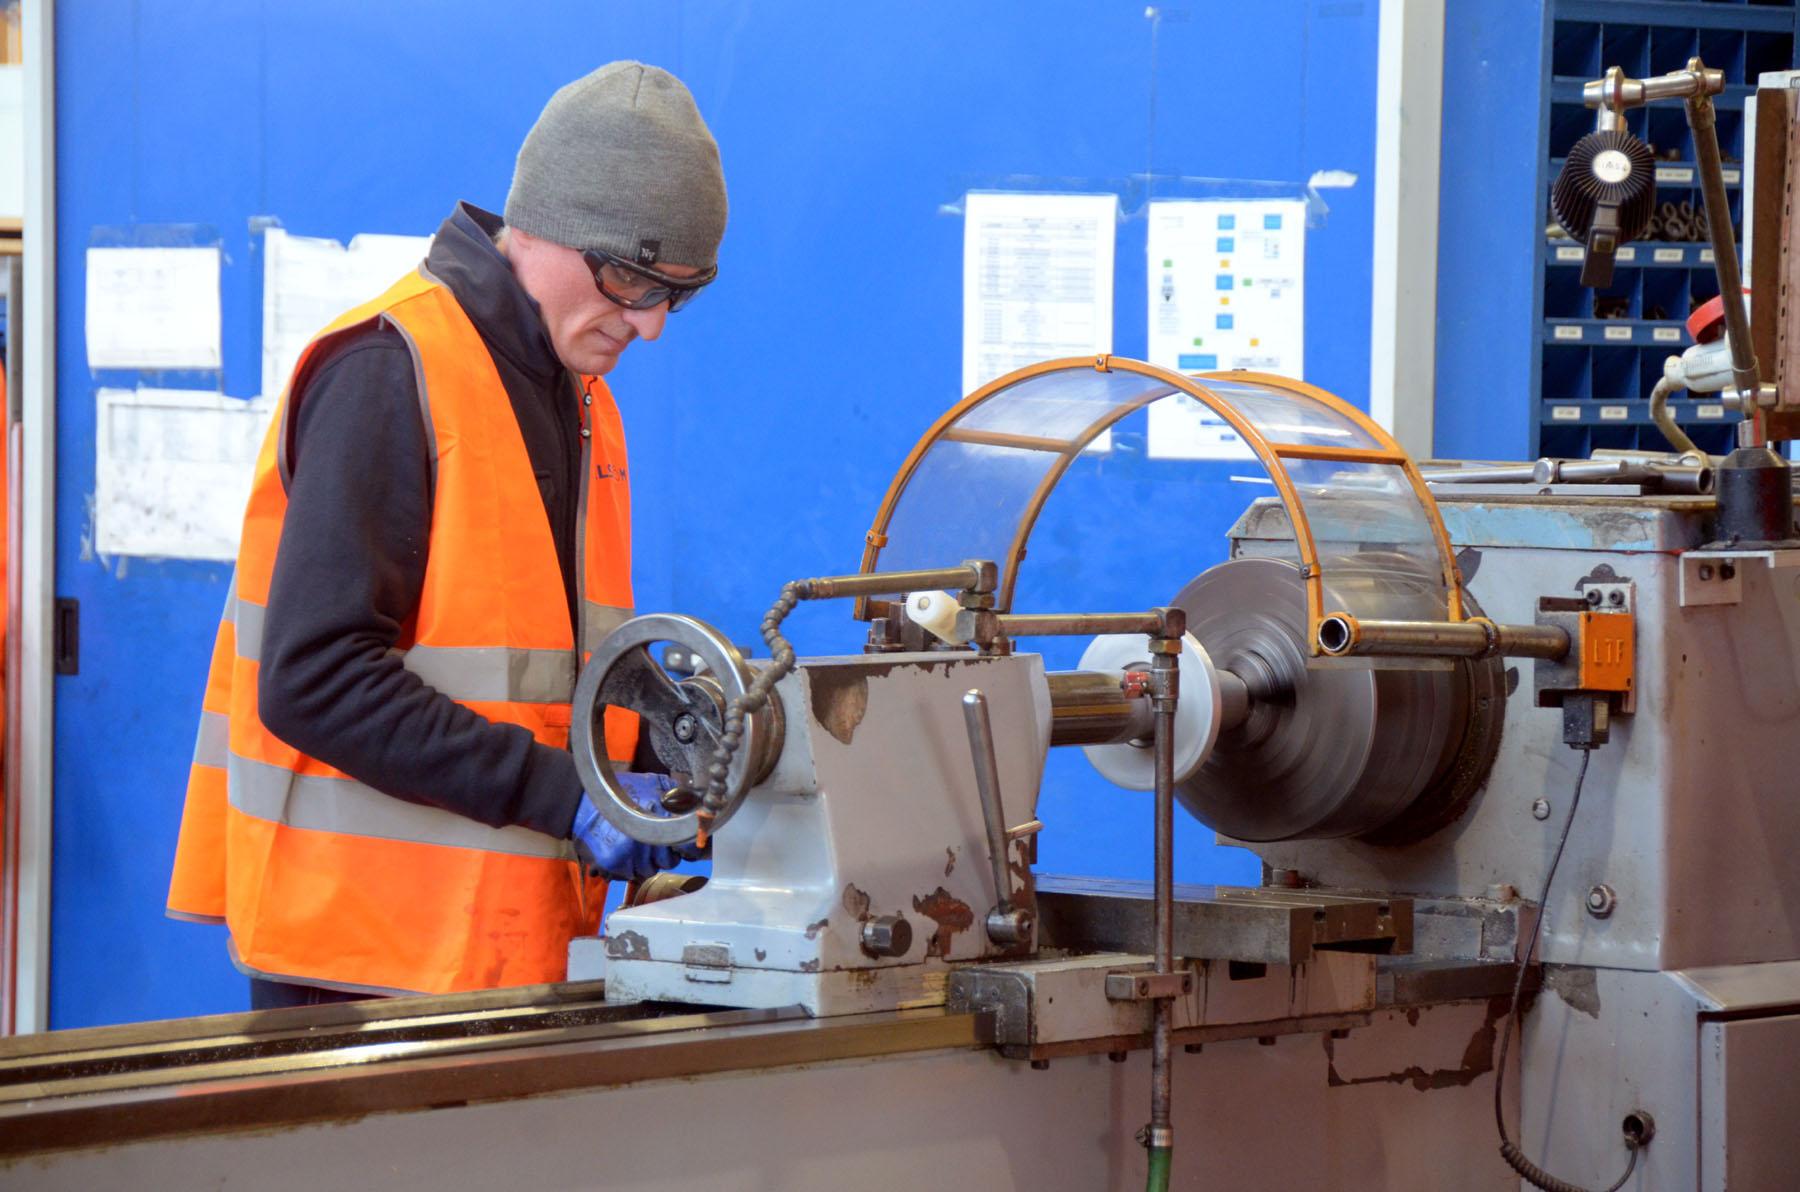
[1079, 624]
[1673, 477]
[1090, 708]
[1701, 120]
[1165, 678]
[987, 783]
[972, 575]
[1234, 700]
[1342, 635]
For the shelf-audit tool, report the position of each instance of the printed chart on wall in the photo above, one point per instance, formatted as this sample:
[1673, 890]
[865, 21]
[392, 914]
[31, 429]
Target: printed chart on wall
[1227, 290]
[1037, 281]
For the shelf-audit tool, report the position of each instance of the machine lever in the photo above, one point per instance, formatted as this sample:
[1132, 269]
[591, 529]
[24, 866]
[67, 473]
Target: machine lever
[1006, 924]
[987, 782]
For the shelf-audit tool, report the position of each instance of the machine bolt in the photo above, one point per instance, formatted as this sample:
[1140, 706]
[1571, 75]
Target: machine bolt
[1540, 809]
[1288, 879]
[1706, 571]
[1601, 900]
[686, 729]
[1616, 598]
[1593, 596]
[887, 935]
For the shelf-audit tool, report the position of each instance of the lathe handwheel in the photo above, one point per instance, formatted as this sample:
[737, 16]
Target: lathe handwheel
[622, 674]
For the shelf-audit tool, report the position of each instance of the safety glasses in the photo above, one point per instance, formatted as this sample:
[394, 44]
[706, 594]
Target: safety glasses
[637, 288]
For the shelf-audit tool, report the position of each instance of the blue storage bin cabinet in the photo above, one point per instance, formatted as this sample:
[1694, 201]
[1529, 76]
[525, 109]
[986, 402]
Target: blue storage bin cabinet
[1599, 352]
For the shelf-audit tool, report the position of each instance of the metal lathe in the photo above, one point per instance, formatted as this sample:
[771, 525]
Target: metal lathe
[1418, 692]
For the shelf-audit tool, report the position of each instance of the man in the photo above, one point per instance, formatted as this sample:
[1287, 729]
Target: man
[382, 798]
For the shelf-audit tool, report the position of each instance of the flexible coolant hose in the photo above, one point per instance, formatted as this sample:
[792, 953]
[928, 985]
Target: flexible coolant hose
[1665, 421]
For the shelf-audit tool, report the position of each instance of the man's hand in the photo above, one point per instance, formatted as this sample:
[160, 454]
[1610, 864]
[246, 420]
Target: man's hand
[609, 852]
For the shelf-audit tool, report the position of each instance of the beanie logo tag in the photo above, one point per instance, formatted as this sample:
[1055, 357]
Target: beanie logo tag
[648, 251]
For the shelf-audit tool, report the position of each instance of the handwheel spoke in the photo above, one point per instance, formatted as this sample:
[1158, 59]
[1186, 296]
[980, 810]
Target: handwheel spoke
[638, 683]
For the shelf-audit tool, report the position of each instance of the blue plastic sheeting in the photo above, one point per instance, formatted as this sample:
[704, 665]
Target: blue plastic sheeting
[766, 425]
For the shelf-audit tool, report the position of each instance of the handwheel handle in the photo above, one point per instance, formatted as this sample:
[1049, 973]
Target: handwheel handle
[587, 741]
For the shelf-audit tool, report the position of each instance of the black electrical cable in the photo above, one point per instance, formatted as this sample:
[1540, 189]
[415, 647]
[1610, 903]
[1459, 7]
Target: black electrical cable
[1515, 1157]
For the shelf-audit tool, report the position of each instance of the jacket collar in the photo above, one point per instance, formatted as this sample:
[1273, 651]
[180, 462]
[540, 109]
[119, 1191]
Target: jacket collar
[463, 256]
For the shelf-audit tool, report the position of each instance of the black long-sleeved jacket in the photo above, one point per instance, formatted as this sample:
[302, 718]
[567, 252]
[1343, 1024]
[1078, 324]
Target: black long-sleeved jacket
[351, 562]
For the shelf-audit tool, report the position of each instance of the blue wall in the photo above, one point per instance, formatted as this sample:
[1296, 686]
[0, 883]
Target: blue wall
[768, 421]
[1491, 216]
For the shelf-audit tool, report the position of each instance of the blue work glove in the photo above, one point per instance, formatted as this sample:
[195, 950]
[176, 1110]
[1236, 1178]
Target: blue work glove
[605, 850]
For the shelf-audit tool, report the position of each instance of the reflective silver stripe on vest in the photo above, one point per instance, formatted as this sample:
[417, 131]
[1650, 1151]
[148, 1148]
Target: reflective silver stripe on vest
[598, 620]
[346, 806]
[300, 979]
[211, 746]
[249, 620]
[495, 673]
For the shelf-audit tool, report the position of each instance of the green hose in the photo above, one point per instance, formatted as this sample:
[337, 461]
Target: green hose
[1159, 1169]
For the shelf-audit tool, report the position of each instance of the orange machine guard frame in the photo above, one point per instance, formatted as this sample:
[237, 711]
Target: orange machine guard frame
[1269, 453]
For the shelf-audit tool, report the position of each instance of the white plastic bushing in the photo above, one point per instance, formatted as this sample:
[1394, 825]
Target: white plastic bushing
[1197, 712]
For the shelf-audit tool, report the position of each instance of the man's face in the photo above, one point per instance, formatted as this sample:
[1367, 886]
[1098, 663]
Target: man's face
[587, 329]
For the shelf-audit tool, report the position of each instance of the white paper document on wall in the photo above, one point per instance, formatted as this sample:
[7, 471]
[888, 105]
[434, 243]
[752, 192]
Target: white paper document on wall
[1037, 280]
[1226, 290]
[172, 471]
[308, 282]
[153, 308]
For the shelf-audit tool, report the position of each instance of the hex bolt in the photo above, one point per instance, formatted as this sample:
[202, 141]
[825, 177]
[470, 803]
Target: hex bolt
[1040, 1065]
[1288, 879]
[1601, 900]
[1117, 1057]
[1540, 809]
[686, 729]
[1193, 1048]
[1616, 598]
[1706, 571]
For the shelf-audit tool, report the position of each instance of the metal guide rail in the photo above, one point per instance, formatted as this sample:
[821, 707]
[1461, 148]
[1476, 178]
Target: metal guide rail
[257, 1070]
[1246, 924]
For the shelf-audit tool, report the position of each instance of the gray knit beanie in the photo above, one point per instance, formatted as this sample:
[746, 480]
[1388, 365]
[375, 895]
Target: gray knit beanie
[621, 161]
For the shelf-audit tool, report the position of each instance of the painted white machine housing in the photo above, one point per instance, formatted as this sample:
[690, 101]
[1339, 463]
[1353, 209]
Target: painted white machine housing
[1688, 814]
[871, 810]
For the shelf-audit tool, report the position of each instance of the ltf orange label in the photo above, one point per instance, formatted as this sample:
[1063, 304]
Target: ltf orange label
[1608, 645]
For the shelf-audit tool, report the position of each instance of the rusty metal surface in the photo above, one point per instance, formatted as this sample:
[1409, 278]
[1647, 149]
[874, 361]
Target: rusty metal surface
[1196, 1036]
[90, 1107]
[1255, 925]
[1405, 981]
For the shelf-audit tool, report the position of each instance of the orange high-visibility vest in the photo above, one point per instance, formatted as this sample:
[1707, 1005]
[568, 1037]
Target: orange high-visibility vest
[324, 880]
